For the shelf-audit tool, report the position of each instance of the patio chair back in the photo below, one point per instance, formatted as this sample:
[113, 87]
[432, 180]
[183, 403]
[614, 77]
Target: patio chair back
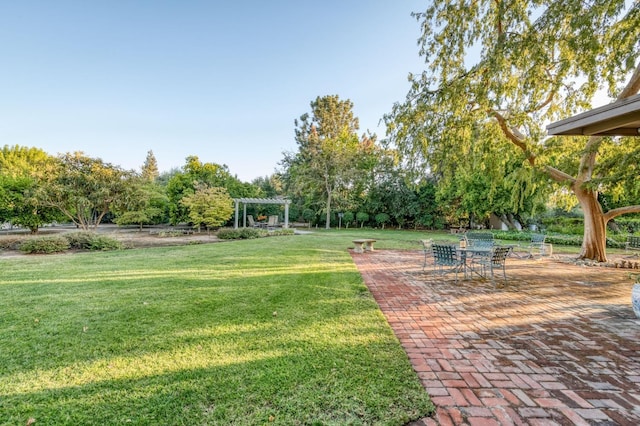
[498, 261]
[499, 256]
[427, 250]
[250, 220]
[537, 243]
[538, 238]
[273, 221]
[445, 259]
[480, 239]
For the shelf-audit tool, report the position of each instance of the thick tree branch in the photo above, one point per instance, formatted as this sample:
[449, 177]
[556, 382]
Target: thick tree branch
[633, 86]
[502, 122]
[499, 26]
[620, 211]
[559, 175]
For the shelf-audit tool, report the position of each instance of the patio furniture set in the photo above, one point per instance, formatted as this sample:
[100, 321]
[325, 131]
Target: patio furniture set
[271, 223]
[477, 255]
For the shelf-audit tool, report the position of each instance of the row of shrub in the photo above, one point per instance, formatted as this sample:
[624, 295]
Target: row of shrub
[250, 233]
[613, 241]
[575, 225]
[73, 240]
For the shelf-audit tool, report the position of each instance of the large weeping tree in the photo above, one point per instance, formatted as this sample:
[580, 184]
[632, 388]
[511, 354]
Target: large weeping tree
[518, 65]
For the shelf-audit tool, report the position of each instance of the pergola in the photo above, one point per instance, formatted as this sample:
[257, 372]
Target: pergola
[246, 201]
[621, 118]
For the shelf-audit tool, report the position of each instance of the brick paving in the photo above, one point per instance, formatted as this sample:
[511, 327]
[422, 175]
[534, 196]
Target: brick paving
[556, 345]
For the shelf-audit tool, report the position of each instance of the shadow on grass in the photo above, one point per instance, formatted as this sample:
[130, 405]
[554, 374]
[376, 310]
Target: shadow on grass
[190, 338]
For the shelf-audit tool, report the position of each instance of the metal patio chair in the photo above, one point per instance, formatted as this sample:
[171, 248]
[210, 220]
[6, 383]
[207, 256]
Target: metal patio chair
[497, 260]
[427, 251]
[537, 243]
[446, 260]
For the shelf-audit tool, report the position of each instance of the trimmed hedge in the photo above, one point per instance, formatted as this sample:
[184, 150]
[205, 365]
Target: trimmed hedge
[11, 242]
[616, 241]
[92, 241]
[250, 233]
[44, 245]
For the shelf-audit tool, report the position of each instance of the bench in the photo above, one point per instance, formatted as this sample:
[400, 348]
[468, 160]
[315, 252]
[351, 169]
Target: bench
[362, 245]
[633, 243]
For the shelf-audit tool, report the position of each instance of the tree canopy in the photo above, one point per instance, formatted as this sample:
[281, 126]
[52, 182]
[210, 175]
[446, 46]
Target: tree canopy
[518, 66]
[84, 189]
[330, 154]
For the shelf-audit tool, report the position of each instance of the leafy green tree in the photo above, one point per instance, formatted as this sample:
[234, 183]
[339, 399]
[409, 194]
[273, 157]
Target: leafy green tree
[20, 171]
[84, 189]
[211, 207]
[429, 214]
[23, 161]
[492, 181]
[143, 202]
[348, 218]
[329, 152]
[382, 219]
[270, 186]
[183, 183]
[363, 218]
[538, 61]
[20, 206]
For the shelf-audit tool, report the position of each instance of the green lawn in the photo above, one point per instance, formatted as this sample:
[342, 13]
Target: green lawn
[278, 330]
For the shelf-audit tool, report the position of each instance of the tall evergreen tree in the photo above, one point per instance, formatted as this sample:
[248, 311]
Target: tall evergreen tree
[150, 168]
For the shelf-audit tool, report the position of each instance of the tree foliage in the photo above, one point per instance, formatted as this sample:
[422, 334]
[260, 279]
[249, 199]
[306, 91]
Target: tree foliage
[150, 168]
[143, 202]
[183, 183]
[208, 206]
[330, 155]
[84, 189]
[538, 61]
[20, 171]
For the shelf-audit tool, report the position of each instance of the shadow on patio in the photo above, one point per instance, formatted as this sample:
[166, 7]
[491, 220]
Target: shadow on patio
[557, 344]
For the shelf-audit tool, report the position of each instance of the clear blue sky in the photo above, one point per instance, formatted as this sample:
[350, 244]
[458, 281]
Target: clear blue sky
[220, 80]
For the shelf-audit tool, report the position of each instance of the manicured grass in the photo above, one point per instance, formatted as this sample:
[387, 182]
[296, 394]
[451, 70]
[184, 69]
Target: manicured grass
[271, 331]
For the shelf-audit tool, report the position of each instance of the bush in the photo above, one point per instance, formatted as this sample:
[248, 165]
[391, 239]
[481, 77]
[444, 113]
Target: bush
[92, 241]
[104, 243]
[11, 242]
[250, 233]
[628, 224]
[44, 245]
[79, 240]
[228, 234]
[282, 231]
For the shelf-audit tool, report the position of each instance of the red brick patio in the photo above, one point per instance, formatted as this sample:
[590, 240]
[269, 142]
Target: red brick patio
[558, 345]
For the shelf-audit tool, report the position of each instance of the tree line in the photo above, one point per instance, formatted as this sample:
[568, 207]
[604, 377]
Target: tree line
[468, 141]
[37, 189]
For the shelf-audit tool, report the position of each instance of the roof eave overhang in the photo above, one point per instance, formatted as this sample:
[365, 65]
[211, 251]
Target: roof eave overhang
[621, 118]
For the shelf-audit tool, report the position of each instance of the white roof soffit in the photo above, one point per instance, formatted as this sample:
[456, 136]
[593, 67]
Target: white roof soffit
[621, 118]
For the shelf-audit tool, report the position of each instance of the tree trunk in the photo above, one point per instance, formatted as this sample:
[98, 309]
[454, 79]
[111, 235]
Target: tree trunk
[594, 242]
[328, 225]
